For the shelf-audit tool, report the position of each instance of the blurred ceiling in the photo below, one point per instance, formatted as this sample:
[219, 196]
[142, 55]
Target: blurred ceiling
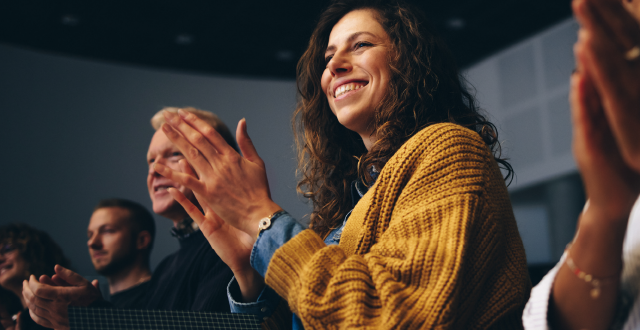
[243, 38]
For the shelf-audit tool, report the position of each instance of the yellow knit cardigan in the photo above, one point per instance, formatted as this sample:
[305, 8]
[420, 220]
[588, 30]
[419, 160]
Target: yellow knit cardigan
[432, 245]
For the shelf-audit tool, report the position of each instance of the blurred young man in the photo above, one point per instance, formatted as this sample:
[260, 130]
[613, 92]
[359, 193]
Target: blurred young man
[194, 278]
[120, 240]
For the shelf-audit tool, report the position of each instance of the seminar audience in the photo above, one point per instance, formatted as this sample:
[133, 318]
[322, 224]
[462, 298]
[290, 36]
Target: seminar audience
[193, 278]
[120, 240]
[434, 243]
[26, 252]
[596, 284]
[411, 224]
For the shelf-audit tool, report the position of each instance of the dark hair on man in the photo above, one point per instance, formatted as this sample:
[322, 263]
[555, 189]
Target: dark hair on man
[35, 246]
[140, 218]
[426, 88]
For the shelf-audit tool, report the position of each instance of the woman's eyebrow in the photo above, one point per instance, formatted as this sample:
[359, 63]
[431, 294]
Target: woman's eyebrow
[353, 36]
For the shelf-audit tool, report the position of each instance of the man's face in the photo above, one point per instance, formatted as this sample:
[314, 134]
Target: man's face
[111, 242]
[163, 151]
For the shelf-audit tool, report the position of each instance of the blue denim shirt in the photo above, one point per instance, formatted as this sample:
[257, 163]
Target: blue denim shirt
[283, 228]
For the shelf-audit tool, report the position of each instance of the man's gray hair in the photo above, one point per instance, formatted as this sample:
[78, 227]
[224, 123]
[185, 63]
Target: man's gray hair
[209, 117]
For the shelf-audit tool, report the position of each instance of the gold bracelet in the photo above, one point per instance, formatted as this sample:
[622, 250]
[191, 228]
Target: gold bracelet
[266, 221]
[596, 283]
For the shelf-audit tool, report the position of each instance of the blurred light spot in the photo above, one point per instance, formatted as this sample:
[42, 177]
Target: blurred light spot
[70, 20]
[284, 55]
[184, 39]
[456, 23]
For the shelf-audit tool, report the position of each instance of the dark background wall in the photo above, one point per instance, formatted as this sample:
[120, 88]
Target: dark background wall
[77, 131]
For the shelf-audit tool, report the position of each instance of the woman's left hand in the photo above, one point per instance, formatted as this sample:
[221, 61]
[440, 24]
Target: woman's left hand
[231, 244]
[611, 55]
[235, 187]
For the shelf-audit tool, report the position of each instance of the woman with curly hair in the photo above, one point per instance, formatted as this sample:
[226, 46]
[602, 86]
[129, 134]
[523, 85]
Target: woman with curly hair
[26, 251]
[412, 226]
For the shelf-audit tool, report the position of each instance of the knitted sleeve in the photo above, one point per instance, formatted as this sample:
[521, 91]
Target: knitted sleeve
[433, 244]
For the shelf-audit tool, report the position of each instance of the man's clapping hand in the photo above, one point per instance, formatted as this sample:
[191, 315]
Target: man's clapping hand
[48, 297]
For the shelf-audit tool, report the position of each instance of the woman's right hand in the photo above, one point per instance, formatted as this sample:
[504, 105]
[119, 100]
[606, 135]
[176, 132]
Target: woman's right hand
[234, 186]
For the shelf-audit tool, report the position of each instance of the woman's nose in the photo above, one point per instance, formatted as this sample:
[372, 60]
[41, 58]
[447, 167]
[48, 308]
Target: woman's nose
[339, 64]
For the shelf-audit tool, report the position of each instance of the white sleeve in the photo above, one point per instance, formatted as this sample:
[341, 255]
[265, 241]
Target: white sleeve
[535, 312]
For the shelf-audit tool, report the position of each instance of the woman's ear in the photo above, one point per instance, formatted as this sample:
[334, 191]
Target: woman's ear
[143, 240]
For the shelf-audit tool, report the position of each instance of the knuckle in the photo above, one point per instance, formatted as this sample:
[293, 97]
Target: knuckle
[198, 139]
[189, 116]
[233, 158]
[188, 180]
[208, 131]
[193, 153]
[170, 132]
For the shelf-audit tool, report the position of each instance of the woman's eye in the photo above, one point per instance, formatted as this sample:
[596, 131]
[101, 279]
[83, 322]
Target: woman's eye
[176, 154]
[362, 44]
[327, 59]
[150, 161]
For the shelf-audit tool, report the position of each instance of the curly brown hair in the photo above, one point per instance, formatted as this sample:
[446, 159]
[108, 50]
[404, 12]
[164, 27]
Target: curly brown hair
[426, 88]
[35, 246]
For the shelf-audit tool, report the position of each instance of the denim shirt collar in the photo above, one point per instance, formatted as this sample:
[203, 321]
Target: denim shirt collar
[358, 189]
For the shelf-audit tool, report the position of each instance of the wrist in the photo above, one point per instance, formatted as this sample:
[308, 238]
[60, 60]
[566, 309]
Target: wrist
[250, 283]
[598, 245]
[610, 214]
[602, 223]
[254, 218]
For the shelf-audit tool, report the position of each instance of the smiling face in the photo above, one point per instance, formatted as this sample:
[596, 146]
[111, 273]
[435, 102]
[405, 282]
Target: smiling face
[110, 240]
[357, 74]
[163, 151]
[13, 268]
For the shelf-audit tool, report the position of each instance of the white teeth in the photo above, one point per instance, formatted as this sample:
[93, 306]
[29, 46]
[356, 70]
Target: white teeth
[347, 88]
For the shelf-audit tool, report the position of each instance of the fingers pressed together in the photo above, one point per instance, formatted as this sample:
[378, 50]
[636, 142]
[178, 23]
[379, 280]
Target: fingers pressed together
[607, 33]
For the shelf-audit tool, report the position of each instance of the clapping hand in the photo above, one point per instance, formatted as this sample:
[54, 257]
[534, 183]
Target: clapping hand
[605, 111]
[611, 184]
[48, 297]
[609, 52]
[232, 190]
[235, 187]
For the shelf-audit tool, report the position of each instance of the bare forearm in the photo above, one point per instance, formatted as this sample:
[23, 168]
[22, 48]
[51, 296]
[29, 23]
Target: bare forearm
[597, 251]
